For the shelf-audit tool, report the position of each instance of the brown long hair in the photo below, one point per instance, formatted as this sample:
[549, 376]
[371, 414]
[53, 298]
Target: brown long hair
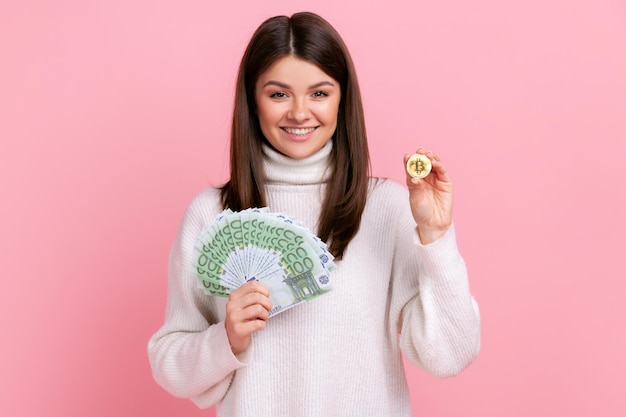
[309, 37]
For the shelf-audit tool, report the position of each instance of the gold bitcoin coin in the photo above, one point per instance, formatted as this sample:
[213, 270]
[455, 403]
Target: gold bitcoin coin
[418, 165]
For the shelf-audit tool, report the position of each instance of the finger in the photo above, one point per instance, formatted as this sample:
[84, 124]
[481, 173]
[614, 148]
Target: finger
[250, 287]
[247, 300]
[244, 329]
[439, 170]
[252, 312]
[432, 156]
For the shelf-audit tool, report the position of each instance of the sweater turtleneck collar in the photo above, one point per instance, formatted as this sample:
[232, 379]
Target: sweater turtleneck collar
[281, 169]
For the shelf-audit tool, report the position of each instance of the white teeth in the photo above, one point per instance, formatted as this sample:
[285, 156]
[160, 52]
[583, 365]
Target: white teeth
[300, 132]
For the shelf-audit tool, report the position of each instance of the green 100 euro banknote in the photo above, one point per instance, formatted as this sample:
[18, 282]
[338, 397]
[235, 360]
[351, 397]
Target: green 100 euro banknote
[273, 248]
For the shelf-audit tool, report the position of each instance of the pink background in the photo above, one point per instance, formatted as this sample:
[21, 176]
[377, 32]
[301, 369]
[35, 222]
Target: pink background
[113, 114]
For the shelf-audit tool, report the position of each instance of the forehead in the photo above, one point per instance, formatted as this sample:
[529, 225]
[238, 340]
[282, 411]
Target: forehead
[294, 72]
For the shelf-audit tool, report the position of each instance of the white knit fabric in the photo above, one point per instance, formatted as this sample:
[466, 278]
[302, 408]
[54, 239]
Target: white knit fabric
[336, 355]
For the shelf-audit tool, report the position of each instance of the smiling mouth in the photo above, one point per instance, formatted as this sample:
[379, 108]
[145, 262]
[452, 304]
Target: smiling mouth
[300, 131]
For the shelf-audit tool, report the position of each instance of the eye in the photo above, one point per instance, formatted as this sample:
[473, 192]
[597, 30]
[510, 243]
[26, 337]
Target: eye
[278, 94]
[320, 94]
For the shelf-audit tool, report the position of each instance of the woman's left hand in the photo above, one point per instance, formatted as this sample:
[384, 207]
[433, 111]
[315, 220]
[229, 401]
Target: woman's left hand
[430, 199]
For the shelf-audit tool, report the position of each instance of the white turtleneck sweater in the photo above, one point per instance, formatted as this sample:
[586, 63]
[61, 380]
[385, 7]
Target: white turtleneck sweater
[336, 355]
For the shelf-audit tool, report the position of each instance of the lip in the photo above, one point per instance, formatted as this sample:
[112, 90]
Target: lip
[299, 138]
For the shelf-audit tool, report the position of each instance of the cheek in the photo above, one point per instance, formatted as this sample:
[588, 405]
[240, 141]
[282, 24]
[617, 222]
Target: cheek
[268, 115]
[330, 113]
[265, 118]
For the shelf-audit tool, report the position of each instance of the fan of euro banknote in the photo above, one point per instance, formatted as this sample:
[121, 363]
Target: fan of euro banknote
[273, 248]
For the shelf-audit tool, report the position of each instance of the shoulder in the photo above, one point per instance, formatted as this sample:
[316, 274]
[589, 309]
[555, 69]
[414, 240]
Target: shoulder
[207, 197]
[204, 207]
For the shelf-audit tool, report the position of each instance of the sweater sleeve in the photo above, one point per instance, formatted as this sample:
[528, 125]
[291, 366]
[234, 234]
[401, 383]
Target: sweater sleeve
[431, 304]
[190, 354]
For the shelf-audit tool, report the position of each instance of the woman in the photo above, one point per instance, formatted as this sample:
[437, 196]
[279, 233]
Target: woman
[299, 146]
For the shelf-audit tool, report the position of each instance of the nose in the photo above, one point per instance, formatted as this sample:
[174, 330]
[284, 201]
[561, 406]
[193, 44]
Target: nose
[299, 111]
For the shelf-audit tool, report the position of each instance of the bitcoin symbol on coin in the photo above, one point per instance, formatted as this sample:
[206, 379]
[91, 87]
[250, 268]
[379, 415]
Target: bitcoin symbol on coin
[418, 165]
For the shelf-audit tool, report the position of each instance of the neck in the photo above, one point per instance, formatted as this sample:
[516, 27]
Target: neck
[281, 169]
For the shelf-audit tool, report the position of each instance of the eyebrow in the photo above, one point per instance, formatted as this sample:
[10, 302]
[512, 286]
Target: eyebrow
[283, 85]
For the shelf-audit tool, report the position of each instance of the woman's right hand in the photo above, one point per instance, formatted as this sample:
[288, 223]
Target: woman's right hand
[247, 310]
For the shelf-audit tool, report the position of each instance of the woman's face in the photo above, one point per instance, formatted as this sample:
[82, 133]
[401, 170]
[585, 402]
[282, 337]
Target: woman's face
[297, 105]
